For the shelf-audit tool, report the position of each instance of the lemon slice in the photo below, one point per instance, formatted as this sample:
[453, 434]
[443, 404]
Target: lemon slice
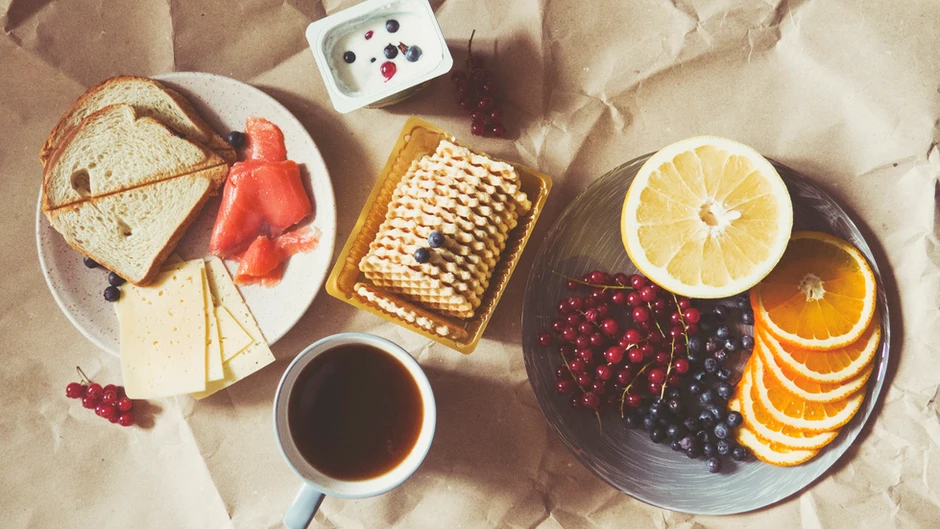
[706, 217]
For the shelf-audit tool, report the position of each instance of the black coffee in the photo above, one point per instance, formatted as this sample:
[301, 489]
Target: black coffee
[355, 412]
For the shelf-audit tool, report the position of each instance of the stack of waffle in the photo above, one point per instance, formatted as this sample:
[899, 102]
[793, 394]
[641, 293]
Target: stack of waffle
[474, 201]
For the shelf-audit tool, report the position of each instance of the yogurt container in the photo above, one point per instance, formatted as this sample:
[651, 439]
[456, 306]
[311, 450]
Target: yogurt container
[378, 52]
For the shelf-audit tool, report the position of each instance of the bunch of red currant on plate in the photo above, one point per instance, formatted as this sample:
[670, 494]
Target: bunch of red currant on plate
[109, 402]
[653, 358]
[476, 93]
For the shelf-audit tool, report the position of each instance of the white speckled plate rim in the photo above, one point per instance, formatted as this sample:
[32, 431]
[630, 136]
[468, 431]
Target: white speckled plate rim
[224, 103]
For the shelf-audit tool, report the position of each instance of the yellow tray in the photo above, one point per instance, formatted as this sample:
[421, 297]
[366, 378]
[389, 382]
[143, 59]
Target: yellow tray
[417, 139]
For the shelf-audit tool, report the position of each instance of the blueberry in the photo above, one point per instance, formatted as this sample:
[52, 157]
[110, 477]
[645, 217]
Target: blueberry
[236, 139]
[657, 435]
[720, 355]
[711, 345]
[634, 420]
[687, 442]
[707, 322]
[724, 447]
[723, 332]
[711, 365]
[706, 419]
[724, 390]
[662, 422]
[731, 345]
[436, 239]
[413, 53]
[739, 453]
[747, 342]
[694, 357]
[90, 263]
[691, 424]
[723, 374]
[706, 397]
[695, 388]
[695, 344]
[703, 436]
[422, 255]
[673, 393]
[649, 422]
[349, 57]
[720, 312]
[391, 25]
[709, 449]
[742, 302]
[675, 431]
[713, 464]
[700, 376]
[390, 51]
[115, 280]
[693, 452]
[721, 430]
[747, 317]
[112, 294]
[658, 409]
[675, 406]
[675, 445]
[735, 419]
[716, 412]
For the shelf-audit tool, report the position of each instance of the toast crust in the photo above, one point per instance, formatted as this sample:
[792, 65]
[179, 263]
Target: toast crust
[211, 159]
[210, 139]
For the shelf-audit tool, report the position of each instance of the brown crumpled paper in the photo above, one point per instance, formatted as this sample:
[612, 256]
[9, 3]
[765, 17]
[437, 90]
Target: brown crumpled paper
[845, 92]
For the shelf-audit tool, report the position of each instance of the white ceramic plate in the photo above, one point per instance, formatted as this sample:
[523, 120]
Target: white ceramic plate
[226, 104]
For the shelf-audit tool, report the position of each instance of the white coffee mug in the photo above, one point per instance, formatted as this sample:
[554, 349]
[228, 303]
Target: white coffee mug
[316, 484]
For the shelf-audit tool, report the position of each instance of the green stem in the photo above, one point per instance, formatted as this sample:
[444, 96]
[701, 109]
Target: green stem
[85, 379]
[630, 385]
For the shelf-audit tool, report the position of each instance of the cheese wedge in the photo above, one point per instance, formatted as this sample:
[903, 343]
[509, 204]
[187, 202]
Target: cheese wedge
[234, 338]
[164, 334]
[257, 354]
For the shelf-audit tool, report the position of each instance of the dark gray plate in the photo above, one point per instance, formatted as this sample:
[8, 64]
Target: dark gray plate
[587, 236]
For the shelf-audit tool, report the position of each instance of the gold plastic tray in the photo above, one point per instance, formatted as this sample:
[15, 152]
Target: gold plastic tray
[417, 139]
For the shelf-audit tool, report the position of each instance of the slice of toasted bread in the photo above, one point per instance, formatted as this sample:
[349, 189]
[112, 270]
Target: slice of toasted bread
[149, 98]
[113, 150]
[132, 232]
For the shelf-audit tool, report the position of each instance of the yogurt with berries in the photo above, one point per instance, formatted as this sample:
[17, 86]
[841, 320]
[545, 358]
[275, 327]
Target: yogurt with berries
[378, 52]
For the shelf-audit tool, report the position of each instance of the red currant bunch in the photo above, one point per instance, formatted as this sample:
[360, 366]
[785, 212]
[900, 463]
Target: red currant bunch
[477, 94]
[109, 402]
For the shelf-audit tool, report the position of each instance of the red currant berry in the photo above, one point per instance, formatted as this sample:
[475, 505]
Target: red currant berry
[477, 116]
[486, 103]
[647, 351]
[490, 87]
[586, 354]
[655, 387]
[692, 315]
[110, 396]
[94, 391]
[604, 372]
[561, 372]
[545, 339]
[641, 314]
[598, 340]
[569, 333]
[600, 296]
[621, 279]
[126, 419]
[676, 333]
[619, 298]
[564, 386]
[691, 328]
[633, 400]
[573, 319]
[74, 390]
[634, 299]
[599, 278]
[590, 315]
[478, 75]
[575, 303]
[599, 387]
[566, 350]
[685, 303]
[125, 404]
[558, 325]
[648, 293]
[582, 342]
[590, 400]
[661, 358]
[675, 318]
[637, 281]
[659, 304]
[635, 355]
[673, 380]
[573, 286]
[496, 130]
[90, 403]
[614, 355]
[563, 307]
[632, 336]
[585, 328]
[589, 302]
[106, 411]
[458, 76]
[477, 128]
[576, 366]
[584, 379]
[681, 365]
[624, 376]
[496, 116]
[610, 327]
[114, 418]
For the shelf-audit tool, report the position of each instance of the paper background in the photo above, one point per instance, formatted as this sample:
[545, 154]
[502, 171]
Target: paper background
[845, 92]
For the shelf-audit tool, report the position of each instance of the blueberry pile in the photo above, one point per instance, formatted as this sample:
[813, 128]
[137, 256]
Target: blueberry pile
[111, 292]
[694, 416]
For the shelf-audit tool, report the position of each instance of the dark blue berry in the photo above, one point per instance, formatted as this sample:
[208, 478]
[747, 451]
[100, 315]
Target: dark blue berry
[390, 51]
[747, 317]
[649, 422]
[391, 26]
[731, 345]
[675, 445]
[112, 294]
[724, 447]
[673, 393]
[720, 312]
[235, 139]
[687, 442]
[707, 397]
[711, 345]
[709, 449]
[90, 263]
[723, 332]
[713, 464]
[724, 390]
[707, 323]
[115, 280]
[694, 452]
[705, 419]
[721, 430]
[436, 239]
[634, 420]
[700, 376]
[349, 57]
[716, 412]
[691, 424]
[747, 342]
[657, 435]
[658, 409]
[675, 406]
[735, 419]
[703, 436]
[695, 388]
[742, 302]
[723, 374]
[675, 431]
[413, 53]
[695, 344]
[739, 453]
[711, 365]
[422, 255]
[693, 357]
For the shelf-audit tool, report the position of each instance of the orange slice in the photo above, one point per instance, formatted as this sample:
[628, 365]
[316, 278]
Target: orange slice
[820, 296]
[810, 389]
[772, 453]
[757, 418]
[832, 366]
[796, 412]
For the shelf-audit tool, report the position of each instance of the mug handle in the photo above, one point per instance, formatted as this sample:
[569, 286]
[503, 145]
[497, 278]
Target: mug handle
[305, 505]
